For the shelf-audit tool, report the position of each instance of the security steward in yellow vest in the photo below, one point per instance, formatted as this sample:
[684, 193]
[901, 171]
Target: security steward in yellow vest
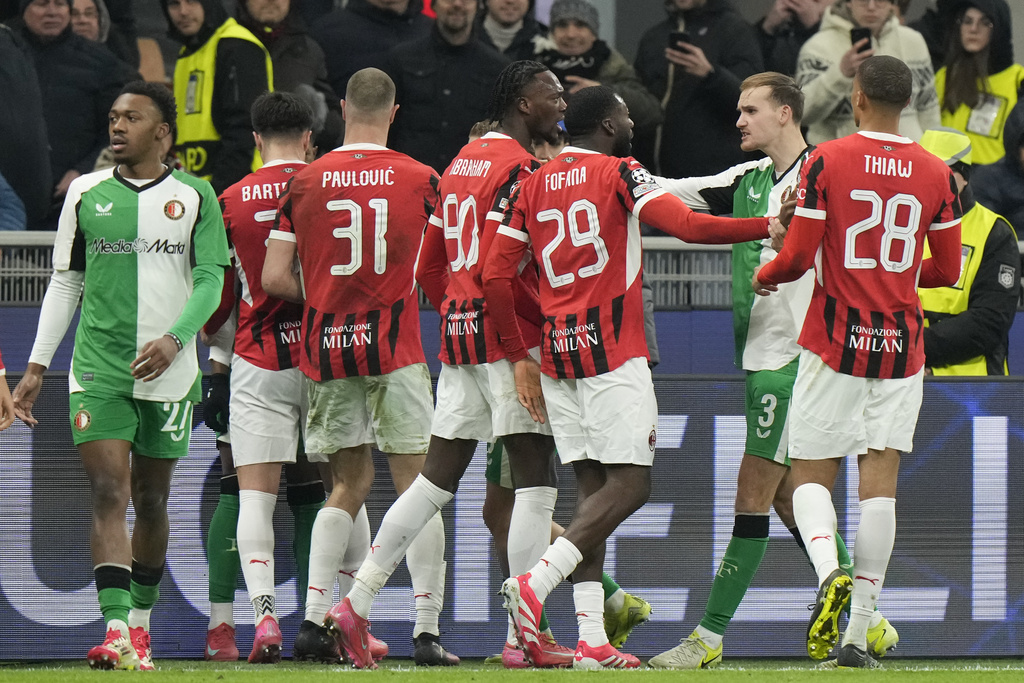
[968, 324]
[221, 69]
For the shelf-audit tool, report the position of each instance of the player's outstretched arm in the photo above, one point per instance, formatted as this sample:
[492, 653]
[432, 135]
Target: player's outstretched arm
[432, 263]
[669, 214]
[26, 393]
[280, 277]
[797, 254]
[943, 268]
[500, 268]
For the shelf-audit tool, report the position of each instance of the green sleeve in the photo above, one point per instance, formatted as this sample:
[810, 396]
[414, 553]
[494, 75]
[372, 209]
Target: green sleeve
[209, 238]
[207, 282]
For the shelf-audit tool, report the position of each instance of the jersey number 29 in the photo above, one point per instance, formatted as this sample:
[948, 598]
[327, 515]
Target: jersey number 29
[591, 238]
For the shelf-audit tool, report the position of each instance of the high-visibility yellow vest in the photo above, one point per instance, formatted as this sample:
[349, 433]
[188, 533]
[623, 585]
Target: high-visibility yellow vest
[985, 126]
[194, 74]
[974, 231]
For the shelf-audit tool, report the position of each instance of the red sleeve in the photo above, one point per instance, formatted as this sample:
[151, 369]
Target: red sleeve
[943, 268]
[1, 361]
[432, 264]
[797, 255]
[669, 214]
[501, 266]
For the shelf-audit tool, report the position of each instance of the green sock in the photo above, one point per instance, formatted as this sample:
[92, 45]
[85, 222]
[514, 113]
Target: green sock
[115, 603]
[609, 586]
[221, 549]
[544, 625]
[144, 597]
[304, 516]
[742, 558]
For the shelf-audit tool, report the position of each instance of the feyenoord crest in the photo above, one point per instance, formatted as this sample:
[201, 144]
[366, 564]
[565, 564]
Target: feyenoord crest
[652, 439]
[174, 209]
[82, 420]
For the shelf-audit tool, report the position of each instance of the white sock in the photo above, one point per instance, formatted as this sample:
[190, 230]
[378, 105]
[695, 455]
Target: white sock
[588, 598]
[816, 517]
[327, 544]
[221, 613]
[615, 601]
[118, 625]
[358, 549]
[256, 547]
[529, 530]
[871, 552]
[425, 560]
[399, 528]
[711, 639]
[139, 618]
[510, 636]
[876, 618]
[555, 564]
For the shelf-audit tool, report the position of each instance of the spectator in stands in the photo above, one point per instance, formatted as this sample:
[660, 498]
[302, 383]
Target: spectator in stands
[361, 34]
[829, 60]
[510, 27]
[24, 160]
[980, 83]
[78, 80]
[580, 60]
[299, 65]
[12, 209]
[933, 25]
[698, 82]
[91, 20]
[1000, 186]
[784, 30]
[968, 324]
[221, 70]
[443, 83]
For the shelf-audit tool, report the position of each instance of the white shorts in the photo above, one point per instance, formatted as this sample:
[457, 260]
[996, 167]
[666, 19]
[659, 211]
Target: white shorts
[833, 415]
[611, 418]
[391, 412]
[480, 402]
[268, 410]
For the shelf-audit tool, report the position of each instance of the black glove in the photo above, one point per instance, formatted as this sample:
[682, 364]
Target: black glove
[215, 405]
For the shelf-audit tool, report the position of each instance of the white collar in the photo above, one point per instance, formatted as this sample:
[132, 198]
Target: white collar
[885, 137]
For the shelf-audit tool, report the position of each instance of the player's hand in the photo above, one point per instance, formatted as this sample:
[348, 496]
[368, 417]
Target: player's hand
[762, 289]
[528, 387]
[691, 58]
[786, 211]
[578, 83]
[217, 401]
[852, 59]
[777, 15]
[154, 359]
[6, 405]
[777, 231]
[26, 393]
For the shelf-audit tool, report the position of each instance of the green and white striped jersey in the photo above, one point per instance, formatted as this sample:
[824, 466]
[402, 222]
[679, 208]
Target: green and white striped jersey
[765, 328]
[137, 246]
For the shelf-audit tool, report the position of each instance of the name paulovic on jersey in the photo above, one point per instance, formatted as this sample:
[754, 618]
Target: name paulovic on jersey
[363, 178]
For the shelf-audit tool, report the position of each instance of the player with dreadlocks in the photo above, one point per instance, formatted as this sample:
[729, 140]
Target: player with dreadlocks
[476, 393]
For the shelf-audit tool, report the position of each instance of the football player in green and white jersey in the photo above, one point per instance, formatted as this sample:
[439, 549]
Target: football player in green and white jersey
[146, 245]
[770, 108]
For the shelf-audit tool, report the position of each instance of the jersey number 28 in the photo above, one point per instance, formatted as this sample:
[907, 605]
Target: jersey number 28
[885, 213]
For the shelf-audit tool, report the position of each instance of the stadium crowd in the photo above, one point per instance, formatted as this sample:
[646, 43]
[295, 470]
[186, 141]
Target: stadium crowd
[293, 115]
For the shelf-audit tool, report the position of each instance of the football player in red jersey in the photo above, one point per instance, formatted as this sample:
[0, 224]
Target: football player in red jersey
[867, 203]
[354, 218]
[267, 402]
[594, 354]
[476, 398]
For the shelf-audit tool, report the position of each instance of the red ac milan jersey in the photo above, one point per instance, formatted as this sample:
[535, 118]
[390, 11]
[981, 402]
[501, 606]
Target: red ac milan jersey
[874, 197]
[578, 214]
[268, 328]
[357, 216]
[473, 195]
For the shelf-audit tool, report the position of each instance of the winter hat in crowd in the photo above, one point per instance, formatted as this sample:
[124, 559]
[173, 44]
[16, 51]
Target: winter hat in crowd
[579, 11]
[23, 5]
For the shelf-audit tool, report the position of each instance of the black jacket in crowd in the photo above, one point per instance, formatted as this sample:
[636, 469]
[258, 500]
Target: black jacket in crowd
[699, 136]
[522, 46]
[24, 160]
[79, 80]
[1000, 186]
[781, 49]
[240, 77]
[361, 35]
[299, 67]
[984, 328]
[442, 90]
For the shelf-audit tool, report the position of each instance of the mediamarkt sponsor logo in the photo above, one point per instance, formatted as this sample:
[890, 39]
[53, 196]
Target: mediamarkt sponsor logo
[138, 246]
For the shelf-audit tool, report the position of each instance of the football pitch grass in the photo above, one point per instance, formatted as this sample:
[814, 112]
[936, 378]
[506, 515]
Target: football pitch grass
[475, 671]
